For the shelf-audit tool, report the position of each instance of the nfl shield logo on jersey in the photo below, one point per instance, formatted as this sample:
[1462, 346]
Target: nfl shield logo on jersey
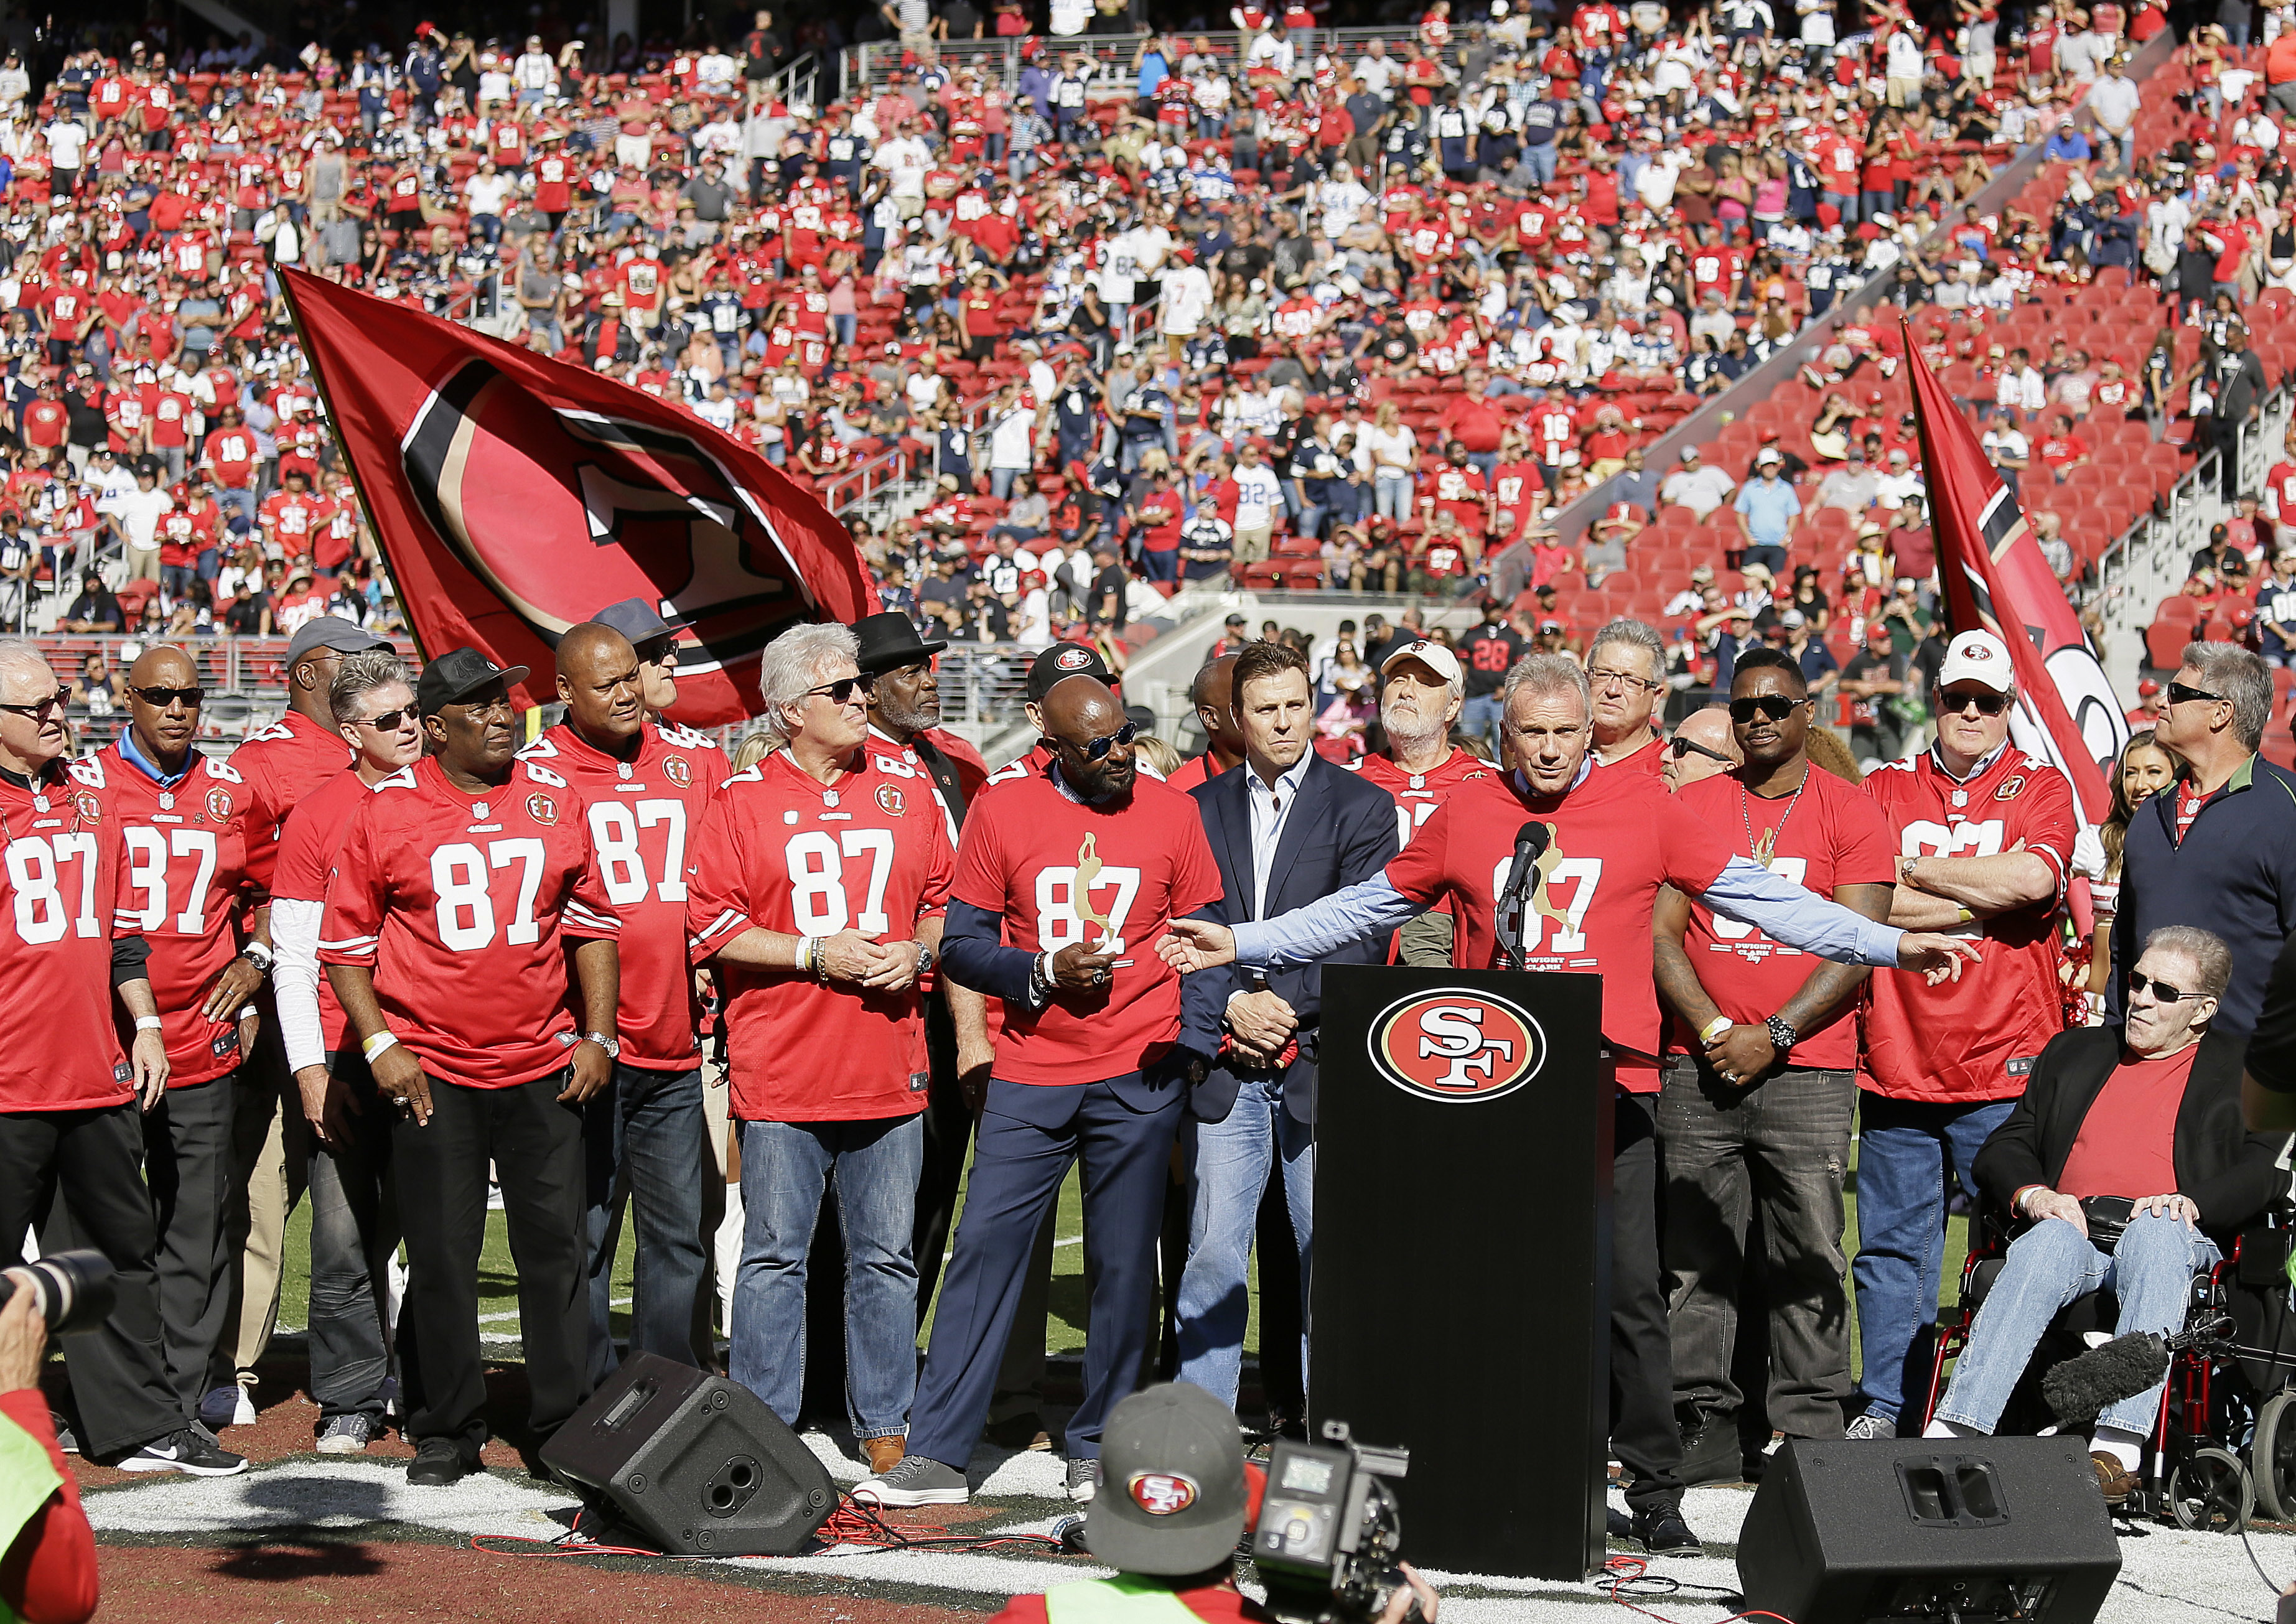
[1457, 1046]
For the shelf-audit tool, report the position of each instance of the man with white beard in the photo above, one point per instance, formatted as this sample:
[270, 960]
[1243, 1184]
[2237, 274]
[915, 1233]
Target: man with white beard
[1421, 689]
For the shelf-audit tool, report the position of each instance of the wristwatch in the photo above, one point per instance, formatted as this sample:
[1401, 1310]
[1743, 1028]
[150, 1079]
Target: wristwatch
[1782, 1036]
[612, 1044]
[256, 953]
[926, 959]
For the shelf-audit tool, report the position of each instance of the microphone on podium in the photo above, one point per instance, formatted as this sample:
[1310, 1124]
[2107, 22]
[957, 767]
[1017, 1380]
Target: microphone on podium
[1530, 842]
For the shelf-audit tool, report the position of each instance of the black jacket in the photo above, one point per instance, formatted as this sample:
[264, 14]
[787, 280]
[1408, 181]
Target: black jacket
[2230, 1174]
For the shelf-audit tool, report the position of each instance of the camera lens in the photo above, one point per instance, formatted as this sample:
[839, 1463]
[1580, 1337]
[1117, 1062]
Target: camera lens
[73, 1289]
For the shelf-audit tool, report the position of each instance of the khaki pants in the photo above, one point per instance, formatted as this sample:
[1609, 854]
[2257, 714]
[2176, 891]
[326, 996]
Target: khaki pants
[143, 563]
[1252, 546]
[270, 1160]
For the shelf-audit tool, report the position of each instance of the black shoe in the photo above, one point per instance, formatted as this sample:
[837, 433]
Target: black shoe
[1711, 1454]
[438, 1463]
[1661, 1531]
[1616, 1524]
[1022, 1432]
[189, 1451]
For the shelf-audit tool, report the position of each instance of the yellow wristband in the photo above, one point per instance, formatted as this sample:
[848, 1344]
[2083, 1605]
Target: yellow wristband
[1714, 1028]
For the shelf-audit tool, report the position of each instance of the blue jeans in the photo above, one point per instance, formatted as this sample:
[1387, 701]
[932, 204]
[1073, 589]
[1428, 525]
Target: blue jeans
[1538, 157]
[1392, 499]
[1228, 1164]
[645, 1142]
[1906, 1149]
[1480, 717]
[785, 1166]
[2051, 1265]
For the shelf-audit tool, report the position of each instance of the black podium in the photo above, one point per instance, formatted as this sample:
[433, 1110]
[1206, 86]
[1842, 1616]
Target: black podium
[1460, 1304]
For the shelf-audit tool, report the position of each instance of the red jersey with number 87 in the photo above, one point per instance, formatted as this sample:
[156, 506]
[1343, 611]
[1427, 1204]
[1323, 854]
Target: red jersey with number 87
[186, 850]
[463, 906]
[1975, 1038]
[643, 814]
[781, 850]
[1613, 839]
[1061, 870]
[62, 879]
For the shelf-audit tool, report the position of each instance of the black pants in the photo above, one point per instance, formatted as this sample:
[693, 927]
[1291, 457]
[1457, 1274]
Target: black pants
[90, 1160]
[535, 1144]
[948, 1139]
[1642, 1431]
[187, 1158]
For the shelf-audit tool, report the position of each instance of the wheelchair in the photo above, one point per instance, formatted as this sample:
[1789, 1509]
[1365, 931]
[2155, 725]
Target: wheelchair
[2223, 1451]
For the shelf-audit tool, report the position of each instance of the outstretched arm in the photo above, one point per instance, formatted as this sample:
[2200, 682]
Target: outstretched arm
[1785, 912]
[1304, 936]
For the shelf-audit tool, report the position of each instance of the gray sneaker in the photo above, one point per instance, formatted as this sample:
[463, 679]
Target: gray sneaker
[1870, 1427]
[1083, 1481]
[346, 1435]
[915, 1481]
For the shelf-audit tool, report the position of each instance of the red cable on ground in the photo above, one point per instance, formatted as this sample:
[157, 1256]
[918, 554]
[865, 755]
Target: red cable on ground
[852, 1523]
[1620, 1571]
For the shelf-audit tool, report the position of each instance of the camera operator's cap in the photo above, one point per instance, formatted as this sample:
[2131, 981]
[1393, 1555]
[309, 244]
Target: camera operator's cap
[1063, 660]
[332, 632]
[1172, 1495]
[1977, 657]
[638, 620]
[457, 675]
[1434, 656]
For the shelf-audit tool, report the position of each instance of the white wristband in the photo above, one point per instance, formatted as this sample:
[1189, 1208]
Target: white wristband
[377, 1044]
[1715, 1028]
[148, 1023]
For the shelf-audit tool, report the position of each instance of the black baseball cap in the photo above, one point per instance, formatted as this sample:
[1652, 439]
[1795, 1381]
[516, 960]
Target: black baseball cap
[638, 620]
[457, 675]
[1065, 660]
[1172, 1494]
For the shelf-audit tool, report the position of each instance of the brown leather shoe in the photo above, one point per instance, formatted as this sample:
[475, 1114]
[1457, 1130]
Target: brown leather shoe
[884, 1454]
[2113, 1480]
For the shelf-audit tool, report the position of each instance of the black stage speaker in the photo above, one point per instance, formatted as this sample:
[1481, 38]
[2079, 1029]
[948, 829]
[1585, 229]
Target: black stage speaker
[1843, 1531]
[695, 1463]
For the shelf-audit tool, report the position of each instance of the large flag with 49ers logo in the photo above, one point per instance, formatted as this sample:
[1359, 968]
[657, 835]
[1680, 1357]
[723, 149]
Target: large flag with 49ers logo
[514, 495]
[1997, 580]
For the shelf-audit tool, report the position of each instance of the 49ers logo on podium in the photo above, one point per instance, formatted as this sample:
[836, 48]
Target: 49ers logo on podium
[1457, 1045]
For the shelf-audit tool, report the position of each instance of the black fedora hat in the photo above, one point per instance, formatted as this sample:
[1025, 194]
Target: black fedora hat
[889, 641]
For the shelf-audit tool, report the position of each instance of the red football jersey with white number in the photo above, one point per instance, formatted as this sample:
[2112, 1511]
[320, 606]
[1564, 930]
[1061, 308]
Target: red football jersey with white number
[1061, 871]
[1418, 794]
[782, 851]
[60, 848]
[643, 814]
[281, 765]
[186, 880]
[1613, 839]
[464, 906]
[1975, 1038]
[307, 845]
[1832, 835]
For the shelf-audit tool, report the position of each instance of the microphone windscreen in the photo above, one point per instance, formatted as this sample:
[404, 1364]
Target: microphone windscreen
[2084, 1387]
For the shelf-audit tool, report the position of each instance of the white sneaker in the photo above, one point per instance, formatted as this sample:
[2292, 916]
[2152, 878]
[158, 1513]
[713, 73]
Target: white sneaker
[1867, 1428]
[1084, 1482]
[346, 1435]
[227, 1406]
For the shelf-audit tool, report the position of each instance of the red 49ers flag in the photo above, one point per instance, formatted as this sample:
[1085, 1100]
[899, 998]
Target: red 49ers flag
[1995, 579]
[513, 496]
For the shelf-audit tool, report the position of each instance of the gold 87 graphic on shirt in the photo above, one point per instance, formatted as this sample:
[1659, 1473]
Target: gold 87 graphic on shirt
[1455, 1045]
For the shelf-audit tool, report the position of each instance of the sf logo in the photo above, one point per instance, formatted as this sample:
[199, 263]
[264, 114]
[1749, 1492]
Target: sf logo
[1454, 1033]
[1455, 1044]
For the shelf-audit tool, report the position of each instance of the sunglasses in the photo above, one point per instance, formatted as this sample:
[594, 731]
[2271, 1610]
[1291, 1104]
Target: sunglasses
[390, 721]
[41, 710]
[841, 691]
[2179, 694]
[1679, 747]
[1987, 704]
[2139, 981]
[1095, 749]
[1776, 707]
[161, 698]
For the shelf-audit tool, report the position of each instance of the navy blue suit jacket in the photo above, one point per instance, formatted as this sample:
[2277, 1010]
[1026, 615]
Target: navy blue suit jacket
[1341, 831]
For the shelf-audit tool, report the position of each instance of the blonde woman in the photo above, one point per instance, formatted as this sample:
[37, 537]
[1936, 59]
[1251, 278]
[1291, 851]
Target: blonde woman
[1394, 453]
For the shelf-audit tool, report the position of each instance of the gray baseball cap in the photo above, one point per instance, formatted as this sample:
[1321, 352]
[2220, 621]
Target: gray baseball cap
[637, 620]
[331, 632]
[1172, 1495]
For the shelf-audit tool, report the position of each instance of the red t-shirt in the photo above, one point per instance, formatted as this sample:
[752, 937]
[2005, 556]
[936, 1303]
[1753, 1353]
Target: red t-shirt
[2128, 1142]
[307, 844]
[1193, 771]
[463, 906]
[55, 1574]
[281, 765]
[782, 851]
[1613, 839]
[643, 816]
[1648, 758]
[1975, 1038]
[186, 850]
[1417, 795]
[63, 882]
[1141, 862]
[1833, 836]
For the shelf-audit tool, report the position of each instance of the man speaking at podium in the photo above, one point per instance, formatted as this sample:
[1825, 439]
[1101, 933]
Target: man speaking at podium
[1555, 866]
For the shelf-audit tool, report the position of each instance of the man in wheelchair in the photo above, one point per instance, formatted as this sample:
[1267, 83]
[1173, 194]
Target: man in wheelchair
[2126, 1165]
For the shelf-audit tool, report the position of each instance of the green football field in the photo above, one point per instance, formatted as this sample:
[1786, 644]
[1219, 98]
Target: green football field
[1065, 1328]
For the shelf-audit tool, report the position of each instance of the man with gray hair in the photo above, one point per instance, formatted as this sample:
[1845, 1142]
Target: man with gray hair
[2220, 851]
[818, 879]
[2126, 1165]
[1626, 671]
[1614, 840]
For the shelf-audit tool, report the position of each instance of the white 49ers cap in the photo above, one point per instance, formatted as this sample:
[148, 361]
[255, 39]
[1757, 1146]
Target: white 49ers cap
[1434, 656]
[1977, 657]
